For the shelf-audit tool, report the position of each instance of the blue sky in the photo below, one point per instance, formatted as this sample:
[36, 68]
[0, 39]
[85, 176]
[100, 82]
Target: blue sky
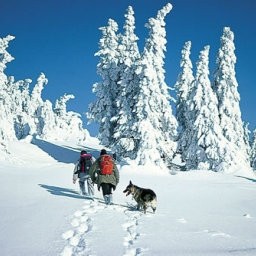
[60, 38]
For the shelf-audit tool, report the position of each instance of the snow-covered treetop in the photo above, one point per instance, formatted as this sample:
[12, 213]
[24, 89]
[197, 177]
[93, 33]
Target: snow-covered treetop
[227, 33]
[60, 105]
[109, 39]
[202, 64]
[185, 53]
[128, 41]
[5, 57]
[129, 22]
[164, 11]
[37, 91]
[227, 49]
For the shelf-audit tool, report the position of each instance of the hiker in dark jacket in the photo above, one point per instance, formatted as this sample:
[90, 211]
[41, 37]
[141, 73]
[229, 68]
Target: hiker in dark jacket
[106, 178]
[81, 173]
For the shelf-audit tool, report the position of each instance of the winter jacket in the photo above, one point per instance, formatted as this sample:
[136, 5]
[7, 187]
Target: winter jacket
[98, 178]
[81, 175]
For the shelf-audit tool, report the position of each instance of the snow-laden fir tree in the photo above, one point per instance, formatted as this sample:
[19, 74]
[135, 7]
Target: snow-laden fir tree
[67, 124]
[21, 111]
[207, 148]
[155, 127]
[183, 89]
[49, 122]
[28, 119]
[122, 141]
[247, 133]
[225, 87]
[36, 104]
[103, 110]
[5, 56]
[23, 119]
[253, 151]
[7, 131]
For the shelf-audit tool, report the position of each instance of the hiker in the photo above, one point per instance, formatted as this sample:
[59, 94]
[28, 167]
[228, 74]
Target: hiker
[105, 174]
[81, 172]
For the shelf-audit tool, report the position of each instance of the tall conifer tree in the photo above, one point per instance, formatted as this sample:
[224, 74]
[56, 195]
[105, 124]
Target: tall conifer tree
[155, 124]
[253, 151]
[7, 131]
[104, 108]
[226, 88]
[205, 149]
[183, 89]
[123, 142]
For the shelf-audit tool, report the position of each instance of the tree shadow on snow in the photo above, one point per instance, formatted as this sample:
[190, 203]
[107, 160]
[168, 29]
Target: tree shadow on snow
[95, 153]
[250, 179]
[68, 154]
[59, 153]
[64, 154]
[59, 191]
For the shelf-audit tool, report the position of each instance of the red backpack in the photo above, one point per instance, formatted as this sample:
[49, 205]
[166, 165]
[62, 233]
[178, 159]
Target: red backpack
[106, 165]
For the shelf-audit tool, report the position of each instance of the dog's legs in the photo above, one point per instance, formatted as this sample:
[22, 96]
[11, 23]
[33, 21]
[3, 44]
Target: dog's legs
[153, 205]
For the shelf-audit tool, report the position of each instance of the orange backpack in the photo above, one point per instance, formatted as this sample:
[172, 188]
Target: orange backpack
[106, 165]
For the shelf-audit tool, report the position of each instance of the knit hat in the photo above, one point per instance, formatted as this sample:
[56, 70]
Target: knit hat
[83, 152]
[103, 152]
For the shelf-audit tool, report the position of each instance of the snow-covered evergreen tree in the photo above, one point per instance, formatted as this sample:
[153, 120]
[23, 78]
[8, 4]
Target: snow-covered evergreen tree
[7, 131]
[155, 126]
[103, 110]
[60, 108]
[225, 86]
[205, 149]
[122, 142]
[48, 122]
[67, 124]
[36, 103]
[253, 151]
[128, 48]
[156, 47]
[5, 56]
[183, 89]
[22, 119]
[247, 133]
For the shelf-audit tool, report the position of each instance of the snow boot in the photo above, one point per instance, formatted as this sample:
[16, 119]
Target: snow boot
[82, 188]
[110, 199]
[106, 199]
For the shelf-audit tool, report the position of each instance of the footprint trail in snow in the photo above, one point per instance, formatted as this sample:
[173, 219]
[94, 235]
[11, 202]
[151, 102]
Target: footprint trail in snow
[82, 223]
[132, 234]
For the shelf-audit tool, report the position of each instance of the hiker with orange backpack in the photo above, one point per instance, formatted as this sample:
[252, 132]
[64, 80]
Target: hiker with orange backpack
[105, 174]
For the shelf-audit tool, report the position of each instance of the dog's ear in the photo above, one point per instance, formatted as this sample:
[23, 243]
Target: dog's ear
[130, 182]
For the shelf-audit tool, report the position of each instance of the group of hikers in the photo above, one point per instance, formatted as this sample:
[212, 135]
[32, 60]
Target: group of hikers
[102, 171]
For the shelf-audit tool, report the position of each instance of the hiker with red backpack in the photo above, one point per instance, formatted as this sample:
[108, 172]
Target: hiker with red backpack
[105, 174]
[81, 172]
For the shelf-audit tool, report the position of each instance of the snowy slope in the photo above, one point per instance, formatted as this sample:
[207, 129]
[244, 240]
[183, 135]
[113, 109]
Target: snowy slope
[198, 213]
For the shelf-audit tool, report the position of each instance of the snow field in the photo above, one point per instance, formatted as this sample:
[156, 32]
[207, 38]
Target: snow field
[198, 212]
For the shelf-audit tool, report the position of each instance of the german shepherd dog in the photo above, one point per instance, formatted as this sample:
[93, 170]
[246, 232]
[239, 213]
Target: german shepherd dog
[143, 196]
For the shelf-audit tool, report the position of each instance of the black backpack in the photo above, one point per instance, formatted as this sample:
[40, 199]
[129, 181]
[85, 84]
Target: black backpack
[85, 163]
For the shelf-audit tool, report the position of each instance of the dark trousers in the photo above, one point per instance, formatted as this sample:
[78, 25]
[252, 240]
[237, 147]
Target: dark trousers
[106, 188]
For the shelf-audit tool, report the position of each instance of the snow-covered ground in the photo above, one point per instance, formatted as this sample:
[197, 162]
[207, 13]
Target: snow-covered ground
[198, 213]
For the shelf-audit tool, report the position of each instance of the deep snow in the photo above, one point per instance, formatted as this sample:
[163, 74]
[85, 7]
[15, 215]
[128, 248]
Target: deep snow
[198, 212]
